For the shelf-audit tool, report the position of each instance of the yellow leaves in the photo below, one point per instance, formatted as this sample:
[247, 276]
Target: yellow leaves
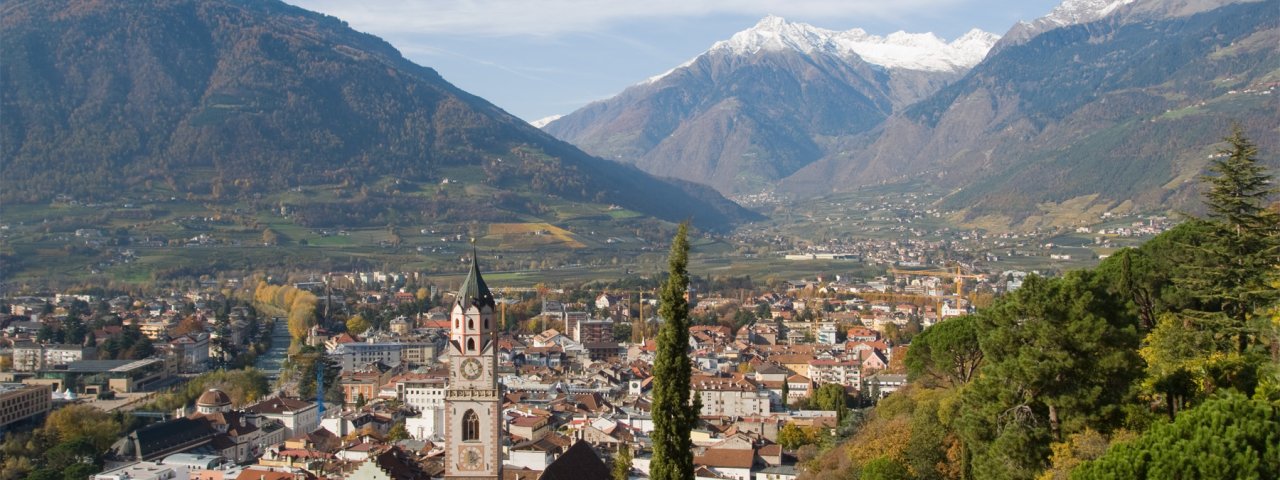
[77, 421]
[880, 438]
[357, 324]
[298, 305]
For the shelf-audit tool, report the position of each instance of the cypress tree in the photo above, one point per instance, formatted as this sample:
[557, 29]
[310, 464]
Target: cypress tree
[673, 415]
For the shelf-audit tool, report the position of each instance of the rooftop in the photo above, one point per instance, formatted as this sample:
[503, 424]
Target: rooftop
[97, 366]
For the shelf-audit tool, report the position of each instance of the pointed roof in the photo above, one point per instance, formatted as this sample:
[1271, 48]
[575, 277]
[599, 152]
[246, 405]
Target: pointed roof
[474, 291]
[580, 462]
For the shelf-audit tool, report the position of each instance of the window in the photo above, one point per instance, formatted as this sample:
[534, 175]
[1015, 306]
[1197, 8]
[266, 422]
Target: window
[471, 344]
[486, 324]
[470, 426]
[471, 324]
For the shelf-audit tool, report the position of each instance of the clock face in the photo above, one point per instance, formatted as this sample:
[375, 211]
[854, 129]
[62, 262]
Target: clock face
[471, 369]
[471, 458]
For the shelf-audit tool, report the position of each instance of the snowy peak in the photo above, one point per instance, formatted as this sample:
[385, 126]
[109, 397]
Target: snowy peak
[774, 33]
[1075, 12]
[901, 50]
[1069, 12]
[542, 122]
[973, 46]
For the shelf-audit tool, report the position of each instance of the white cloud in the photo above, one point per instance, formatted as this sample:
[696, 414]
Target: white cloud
[554, 17]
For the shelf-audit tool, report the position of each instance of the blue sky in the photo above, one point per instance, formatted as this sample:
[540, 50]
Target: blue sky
[536, 58]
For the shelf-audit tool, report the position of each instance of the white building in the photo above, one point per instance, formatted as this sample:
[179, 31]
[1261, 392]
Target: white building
[192, 352]
[827, 333]
[363, 353]
[839, 372]
[425, 394]
[734, 396]
[32, 357]
[298, 416]
[144, 471]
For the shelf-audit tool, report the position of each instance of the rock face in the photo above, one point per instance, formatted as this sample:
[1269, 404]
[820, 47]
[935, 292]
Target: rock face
[770, 100]
[228, 98]
[1126, 108]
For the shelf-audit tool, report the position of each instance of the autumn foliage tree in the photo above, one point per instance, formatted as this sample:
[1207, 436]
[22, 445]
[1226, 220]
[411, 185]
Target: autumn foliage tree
[357, 324]
[298, 305]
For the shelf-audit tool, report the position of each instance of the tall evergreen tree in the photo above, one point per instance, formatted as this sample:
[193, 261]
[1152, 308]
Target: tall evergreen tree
[1240, 188]
[1228, 273]
[1058, 356]
[673, 415]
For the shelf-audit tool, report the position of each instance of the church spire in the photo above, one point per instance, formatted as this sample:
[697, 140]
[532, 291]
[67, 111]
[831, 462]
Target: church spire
[474, 291]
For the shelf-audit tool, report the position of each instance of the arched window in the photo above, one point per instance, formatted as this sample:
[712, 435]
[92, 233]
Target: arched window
[471, 344]
[456, 323]
[470, 426]
[486, 324]
[471, 324]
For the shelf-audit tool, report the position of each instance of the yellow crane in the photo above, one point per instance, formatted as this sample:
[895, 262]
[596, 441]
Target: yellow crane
[946, 272]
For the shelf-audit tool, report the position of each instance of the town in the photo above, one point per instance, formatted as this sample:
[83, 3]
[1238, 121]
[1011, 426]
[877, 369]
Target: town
[364, 386]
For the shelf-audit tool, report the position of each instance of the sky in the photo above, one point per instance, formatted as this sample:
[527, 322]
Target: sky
[537, 58]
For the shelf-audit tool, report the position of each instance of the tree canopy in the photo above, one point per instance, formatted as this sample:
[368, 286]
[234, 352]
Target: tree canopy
[1228, 437]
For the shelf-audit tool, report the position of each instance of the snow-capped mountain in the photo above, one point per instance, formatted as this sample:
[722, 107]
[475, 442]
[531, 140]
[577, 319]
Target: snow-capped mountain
[1079, 12]
[1082, 114]
[542, 122]
[900, 50]
[1069, 12]
[1075, 12]
[767, 101]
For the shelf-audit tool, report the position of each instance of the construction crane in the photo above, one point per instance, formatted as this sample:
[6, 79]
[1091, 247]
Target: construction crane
[958, 275]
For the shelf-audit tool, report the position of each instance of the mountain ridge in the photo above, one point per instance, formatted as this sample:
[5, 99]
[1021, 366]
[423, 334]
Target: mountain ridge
[228, 98]
[1118, 113]
[759, 106]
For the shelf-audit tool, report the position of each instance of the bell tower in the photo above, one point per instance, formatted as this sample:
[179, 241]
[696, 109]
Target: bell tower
[473, 416]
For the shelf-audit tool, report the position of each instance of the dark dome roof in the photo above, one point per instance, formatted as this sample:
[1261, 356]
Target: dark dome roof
[213, 398]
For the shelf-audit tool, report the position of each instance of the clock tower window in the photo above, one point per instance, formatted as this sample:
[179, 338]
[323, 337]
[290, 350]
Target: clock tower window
[470, 426]
[471, 344]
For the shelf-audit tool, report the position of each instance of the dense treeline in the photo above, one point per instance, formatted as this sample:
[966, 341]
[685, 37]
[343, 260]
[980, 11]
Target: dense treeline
[1159, 363]
[299, 306]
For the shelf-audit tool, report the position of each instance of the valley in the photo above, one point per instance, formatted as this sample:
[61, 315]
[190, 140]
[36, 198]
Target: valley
[164, 240]
[242, 239]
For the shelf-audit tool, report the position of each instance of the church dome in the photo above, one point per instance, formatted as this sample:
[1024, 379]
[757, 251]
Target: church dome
[214, 398]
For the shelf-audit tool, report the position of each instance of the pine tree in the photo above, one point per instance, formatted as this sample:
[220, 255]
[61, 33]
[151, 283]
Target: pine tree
[673, 415]
[1240, 188]
[1229, 272]
[1230, 436]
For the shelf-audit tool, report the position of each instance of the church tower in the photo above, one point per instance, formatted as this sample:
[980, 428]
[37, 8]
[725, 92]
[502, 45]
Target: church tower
[473, 415]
